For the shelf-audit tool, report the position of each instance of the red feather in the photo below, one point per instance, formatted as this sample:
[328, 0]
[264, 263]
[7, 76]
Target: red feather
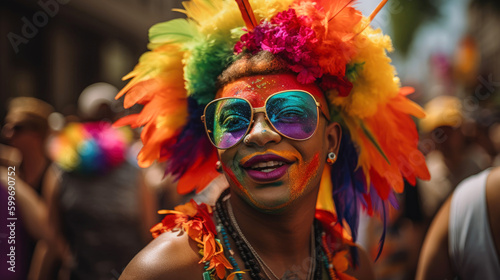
[198, 175]
[247, 14]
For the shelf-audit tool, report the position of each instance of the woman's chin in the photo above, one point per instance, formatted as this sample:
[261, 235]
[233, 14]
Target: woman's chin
[269, 199]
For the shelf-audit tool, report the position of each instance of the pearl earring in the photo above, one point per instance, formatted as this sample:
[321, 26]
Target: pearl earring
[332, 157]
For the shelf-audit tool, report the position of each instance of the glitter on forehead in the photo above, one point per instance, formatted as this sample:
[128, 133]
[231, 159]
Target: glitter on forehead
[256, 89]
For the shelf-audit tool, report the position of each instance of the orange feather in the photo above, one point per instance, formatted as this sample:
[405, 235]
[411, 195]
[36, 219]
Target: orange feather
[373, 14]
[379, 7]
[199, 175]
[336, 7]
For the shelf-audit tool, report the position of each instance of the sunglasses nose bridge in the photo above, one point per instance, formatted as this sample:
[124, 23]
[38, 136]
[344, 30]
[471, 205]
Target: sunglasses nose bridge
[256, 121]
[260, 115]
[259, 110]
[261, 132]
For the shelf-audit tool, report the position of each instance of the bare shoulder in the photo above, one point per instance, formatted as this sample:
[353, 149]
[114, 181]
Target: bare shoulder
[492, 198]
[434, 261]
[172, 255]
[493, 190]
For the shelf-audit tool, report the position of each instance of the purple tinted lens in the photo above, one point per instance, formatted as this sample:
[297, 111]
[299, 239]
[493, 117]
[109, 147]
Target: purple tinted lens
[293, 113]
[229, 139]
[227, 121]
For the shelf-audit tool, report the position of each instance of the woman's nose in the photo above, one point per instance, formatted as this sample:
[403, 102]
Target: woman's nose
[261, 132]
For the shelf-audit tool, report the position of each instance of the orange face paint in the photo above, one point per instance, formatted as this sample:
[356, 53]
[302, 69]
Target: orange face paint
[299, 178]
[288, 155]
[309, 169]
[302, 161]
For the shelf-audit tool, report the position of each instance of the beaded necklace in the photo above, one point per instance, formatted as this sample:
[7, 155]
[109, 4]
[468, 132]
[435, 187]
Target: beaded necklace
[262, 263]
[251, 259]
[196, 220]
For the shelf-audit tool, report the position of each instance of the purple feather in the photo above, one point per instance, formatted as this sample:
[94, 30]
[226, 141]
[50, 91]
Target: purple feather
[350, 189]
[192, 143]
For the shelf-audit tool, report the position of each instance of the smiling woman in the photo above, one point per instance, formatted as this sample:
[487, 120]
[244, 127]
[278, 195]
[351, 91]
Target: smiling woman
[303, 116]
[279, 161]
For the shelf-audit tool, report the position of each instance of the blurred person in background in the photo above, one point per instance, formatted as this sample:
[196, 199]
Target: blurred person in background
[25, 132]
[27, 129]
[100, 205]
[97, 103]
[494, 135]
[464, 238]
[477, 71]
[450, 157]
[485, 134]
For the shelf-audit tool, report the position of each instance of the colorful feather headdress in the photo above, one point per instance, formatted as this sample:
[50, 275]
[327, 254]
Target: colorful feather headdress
[324, 41]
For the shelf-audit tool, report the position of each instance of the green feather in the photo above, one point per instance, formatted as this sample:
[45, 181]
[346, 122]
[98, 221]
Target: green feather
[206, 62]
[174, 31]
[374, 141]
[352, 71]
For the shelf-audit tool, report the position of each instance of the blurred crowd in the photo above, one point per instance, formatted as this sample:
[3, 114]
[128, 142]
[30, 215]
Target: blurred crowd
[84, 207]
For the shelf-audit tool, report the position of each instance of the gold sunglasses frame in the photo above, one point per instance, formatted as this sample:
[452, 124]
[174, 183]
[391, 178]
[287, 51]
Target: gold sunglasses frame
[263, 110]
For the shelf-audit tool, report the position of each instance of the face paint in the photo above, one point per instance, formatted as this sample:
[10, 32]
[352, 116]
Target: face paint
[234, 179]
[309, 169]
[254, 170]
[257, 88]
[287, 155]
[298, 178]
[232, 118]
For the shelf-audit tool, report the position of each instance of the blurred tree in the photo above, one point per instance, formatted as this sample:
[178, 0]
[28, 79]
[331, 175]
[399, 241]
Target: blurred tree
[405, 24]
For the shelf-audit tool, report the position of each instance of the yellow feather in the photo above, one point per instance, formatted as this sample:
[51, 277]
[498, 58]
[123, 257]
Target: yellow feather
[221, 16]
[152, 64]
[325, 200]
[267, 9]
[376, 83]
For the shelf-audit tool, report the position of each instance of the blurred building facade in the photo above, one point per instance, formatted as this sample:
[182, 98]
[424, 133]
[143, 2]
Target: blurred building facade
[53, 49]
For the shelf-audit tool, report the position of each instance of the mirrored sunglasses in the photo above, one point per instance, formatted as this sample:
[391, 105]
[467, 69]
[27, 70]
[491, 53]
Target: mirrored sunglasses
[293, 114]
